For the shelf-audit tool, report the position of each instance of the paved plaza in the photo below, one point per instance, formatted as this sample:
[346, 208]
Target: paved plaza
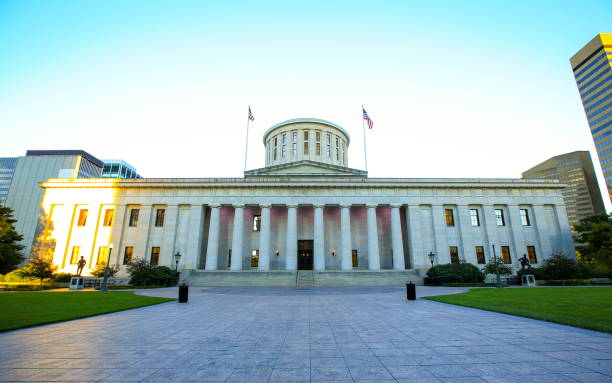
[316, 335]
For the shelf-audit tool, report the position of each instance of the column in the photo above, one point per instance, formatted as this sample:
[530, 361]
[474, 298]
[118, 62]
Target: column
[141, 247]
[237, 236]
[168, 245]
[439, 233]
[264, 239]
[396, 239]
[516, 228]
[291, 237]
[418, 255]
[345, 237]
[567, 243]
[212, 251]
[319, 238]
[193, 249]
[116, 236]
[488, 219]
[373, 251]
[468, 249]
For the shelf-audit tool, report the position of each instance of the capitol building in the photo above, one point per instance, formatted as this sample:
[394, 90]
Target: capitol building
[305, 215]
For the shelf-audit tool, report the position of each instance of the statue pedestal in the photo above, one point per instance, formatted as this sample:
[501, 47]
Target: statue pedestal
[77, 283]
[528, 280]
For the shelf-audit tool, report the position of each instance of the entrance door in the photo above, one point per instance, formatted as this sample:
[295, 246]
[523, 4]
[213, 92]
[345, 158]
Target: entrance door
[305, 255]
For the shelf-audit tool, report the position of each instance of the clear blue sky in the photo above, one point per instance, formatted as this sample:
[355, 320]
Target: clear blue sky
[456, 89]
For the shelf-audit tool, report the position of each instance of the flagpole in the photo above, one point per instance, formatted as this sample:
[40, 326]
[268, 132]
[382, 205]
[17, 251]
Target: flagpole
[365, 146]
[246, 145]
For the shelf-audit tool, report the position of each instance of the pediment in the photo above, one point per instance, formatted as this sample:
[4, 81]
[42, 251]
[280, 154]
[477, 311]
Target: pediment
[305, 168]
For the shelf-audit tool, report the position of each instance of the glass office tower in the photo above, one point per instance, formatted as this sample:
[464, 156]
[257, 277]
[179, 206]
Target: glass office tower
[7, 169]
[592, 67]
[118, 169]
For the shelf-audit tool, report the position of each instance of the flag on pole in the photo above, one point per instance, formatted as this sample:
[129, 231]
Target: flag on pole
[251, 114]
[367, 118]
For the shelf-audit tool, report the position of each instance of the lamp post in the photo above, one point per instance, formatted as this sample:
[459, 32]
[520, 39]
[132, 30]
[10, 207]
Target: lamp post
[177, 258]
[497, 277]
[104, 286]
[431, 256]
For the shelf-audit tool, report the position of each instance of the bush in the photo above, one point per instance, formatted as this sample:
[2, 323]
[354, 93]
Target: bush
[490, 268]
[455, 272]
[61, 277]
[15, 276]
[143, 273]
[559, 266]
[101, 268]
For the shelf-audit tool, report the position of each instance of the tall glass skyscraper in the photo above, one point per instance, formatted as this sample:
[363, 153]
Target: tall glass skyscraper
[592, 67]
[7, 169]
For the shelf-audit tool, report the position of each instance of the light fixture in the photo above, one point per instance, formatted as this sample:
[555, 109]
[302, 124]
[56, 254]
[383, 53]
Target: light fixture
[333, 253]
[277, 252]
[177, 258]
[431, 256]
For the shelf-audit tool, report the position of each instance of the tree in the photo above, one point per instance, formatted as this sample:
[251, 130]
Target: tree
[490, 268]
[10, 249]
[38, 267]
[596, 232]
[101, 267]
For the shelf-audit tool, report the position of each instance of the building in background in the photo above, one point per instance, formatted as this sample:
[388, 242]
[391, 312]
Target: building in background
[25, 194]
[592, 67]
[7, 169]
[119, 169]
[582, 194]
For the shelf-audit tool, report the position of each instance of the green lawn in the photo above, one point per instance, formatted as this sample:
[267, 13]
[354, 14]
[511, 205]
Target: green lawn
[24, 309]
[586, 307]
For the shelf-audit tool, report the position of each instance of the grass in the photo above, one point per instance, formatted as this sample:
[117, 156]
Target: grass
[25, 309]
[586, 307]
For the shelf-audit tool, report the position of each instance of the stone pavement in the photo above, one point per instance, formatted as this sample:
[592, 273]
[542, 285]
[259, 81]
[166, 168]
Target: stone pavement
[319, 335]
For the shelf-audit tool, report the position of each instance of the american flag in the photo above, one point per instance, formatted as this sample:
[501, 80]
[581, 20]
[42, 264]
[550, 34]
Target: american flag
[367, 118]
[251, 115]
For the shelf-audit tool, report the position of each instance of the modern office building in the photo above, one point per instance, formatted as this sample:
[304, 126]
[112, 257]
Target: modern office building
[582, 195]
[118, 169]
[305, 216]
[7, 169]
[592, 67]
[25, 194]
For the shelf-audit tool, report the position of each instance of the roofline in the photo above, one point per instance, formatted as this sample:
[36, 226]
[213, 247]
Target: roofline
[315, 120]
[82, 153]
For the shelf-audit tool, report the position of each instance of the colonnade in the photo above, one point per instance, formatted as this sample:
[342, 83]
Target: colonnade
[212, 251]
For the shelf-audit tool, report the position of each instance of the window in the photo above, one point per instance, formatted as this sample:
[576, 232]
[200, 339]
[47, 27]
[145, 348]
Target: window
[531, 253]
[506, 254]
[328, 151]
[328, 139]
[275, 146]
[454, 254]
[159, 217]
[255, 258]
[109, 214]
[317, 136]
[284, 138]
[318, 149]
[305, 148]
[256, 222]
[103, 253]
[229, 258]
[450, 218]
[74, 257]
[155, 255]
[474, 217]
[480, 257]
[355, 258]
[134, 217]
[525, 217]
[499, 217]
[283, 151]
[82, 217]
[294, 136]
[294, 149]
[274, 153]
[305, 136]
[337, 154]
[127, 254]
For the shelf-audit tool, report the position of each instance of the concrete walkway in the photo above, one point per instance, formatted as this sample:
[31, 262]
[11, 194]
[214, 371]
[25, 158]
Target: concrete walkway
[289, 335]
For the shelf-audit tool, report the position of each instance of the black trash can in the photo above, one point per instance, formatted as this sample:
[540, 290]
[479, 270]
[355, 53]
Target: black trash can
[183, 293]
[410, 291]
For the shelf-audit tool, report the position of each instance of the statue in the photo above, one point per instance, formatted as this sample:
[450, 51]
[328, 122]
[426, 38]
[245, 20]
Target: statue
[525, 263]
[80, 266]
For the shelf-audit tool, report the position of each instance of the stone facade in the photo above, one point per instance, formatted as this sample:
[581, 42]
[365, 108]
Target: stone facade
[331, 220]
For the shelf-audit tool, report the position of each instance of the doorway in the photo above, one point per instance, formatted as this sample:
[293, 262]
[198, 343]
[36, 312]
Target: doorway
[305, 254]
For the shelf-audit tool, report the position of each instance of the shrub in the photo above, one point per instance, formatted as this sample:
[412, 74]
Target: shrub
[490, 268]
[455, 272]
[101, 267]
[559, 266]
[61, 277]
[143, 273]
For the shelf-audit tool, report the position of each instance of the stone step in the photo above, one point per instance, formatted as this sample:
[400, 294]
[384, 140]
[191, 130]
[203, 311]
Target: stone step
[304, 279]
